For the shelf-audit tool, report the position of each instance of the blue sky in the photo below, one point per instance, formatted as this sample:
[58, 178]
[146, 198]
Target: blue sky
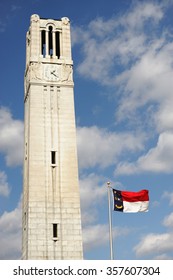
[123, 69]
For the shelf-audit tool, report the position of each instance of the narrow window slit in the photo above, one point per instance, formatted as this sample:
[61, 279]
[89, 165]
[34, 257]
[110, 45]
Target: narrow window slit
[57, 36]
[55, 231]
[43, 42]
[50, 41]
[53, 157]
[25, 221]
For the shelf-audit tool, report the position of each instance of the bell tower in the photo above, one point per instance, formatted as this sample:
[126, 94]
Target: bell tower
[51, 204]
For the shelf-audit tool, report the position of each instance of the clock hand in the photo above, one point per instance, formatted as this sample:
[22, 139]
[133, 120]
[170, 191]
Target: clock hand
[53, 74]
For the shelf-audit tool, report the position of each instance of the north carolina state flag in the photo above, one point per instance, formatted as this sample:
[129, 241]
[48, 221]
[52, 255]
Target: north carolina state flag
[125, 201]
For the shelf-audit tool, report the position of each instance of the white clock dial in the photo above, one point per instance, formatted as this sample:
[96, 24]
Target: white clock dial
[51, 73]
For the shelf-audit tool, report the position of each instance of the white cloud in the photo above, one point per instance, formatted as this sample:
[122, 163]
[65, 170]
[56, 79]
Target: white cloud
[157, 159]
[141, 13]
[91, 236]
[149, 81]
[168, 220]
[11, 140]
[92, 192]
[92, 184]
[98, 235]
[164, 116]
[100, 147]
[10, 234]
[158, 244]
[4, 187]
[169, 196]
[138, 61]
[163, 257]
[106, 44]
[154, 244]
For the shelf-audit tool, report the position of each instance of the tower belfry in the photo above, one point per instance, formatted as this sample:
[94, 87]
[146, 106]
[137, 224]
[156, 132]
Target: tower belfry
[51, 203]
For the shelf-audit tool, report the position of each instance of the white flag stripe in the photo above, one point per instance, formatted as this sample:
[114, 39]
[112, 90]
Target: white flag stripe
[138, 206]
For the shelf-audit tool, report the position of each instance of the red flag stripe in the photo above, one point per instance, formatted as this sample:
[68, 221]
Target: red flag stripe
[135, 196]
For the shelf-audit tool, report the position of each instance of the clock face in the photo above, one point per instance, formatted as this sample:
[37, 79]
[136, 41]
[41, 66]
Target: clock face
[51, 73]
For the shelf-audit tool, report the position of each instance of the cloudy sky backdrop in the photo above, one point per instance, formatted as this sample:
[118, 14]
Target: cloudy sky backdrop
[123, 73]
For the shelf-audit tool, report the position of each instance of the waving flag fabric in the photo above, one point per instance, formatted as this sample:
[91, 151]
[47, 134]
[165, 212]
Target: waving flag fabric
[125, 201]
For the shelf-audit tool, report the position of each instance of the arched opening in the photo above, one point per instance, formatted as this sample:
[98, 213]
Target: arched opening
[50, 43]
[43, 43]
[50, 50]
[57, 38]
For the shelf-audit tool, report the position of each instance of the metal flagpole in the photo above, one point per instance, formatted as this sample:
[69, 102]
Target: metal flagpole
[110, 221]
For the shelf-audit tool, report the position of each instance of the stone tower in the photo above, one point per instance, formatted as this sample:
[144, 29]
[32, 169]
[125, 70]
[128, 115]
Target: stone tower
[51, 203]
